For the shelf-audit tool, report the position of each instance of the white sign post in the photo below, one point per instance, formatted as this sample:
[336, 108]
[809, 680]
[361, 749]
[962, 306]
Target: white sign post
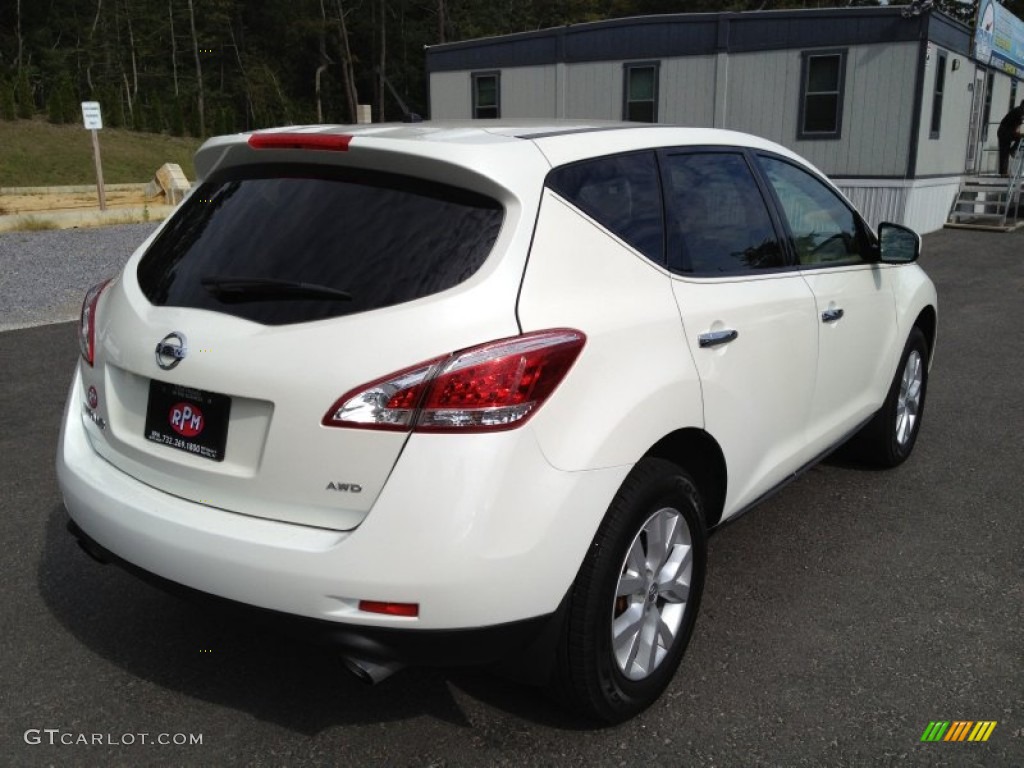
[93, 120]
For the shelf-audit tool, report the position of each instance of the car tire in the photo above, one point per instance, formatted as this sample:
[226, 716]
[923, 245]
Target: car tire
[888, 439]
[641, 580]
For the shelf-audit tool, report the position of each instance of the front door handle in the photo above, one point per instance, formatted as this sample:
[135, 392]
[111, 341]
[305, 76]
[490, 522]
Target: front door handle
[831, 315]
[715, 338]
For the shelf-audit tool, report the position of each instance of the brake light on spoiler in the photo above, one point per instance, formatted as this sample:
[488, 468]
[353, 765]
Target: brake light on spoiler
[490, 387]
[323, 141]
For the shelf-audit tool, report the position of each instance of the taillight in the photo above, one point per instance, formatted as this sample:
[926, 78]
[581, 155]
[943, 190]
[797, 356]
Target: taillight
[326, 141]
[87, 324]
[490, 387]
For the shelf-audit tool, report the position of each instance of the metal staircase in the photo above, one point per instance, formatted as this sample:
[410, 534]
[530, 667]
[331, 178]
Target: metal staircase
[990, 202]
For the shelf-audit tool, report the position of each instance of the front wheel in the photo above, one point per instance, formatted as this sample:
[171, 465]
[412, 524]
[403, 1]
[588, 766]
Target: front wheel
[888, 439]
[634, 603]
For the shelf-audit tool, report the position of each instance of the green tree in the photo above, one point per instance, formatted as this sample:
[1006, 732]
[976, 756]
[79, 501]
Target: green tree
[61, 105]
[110, 105]
[8, 109]
[276, 61]
[26, 103]
[177, 119]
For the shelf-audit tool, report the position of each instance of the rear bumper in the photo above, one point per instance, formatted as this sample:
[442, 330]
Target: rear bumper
[526, 645]
[481, 533]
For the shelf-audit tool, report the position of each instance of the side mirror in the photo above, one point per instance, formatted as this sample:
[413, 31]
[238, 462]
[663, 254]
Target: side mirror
[898, 244]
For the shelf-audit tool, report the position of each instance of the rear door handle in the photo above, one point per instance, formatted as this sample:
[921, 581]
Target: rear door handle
[831, 315]
[715, 338]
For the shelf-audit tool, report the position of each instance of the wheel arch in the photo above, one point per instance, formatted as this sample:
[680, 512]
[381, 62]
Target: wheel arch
[699, 454]
[927, 321]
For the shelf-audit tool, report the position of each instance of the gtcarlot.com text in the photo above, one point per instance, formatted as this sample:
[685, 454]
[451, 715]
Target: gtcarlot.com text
[58, 737]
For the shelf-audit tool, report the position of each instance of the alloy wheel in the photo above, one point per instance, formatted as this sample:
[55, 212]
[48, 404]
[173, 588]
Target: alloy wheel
[652, 593]
[908, 404]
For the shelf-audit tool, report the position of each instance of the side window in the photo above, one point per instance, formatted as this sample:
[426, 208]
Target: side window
[821, 95]
[718, 220]
[825, 231]
[940, 89]
[621, 193]
[640, 97]
[486, 95]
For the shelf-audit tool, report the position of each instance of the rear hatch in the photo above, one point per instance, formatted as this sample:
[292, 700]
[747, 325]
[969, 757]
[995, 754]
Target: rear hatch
[280, 285]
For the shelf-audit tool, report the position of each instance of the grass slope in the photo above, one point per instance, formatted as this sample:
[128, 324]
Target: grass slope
[34, 153]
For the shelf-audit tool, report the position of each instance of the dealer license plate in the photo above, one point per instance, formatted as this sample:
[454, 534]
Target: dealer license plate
[191, 420]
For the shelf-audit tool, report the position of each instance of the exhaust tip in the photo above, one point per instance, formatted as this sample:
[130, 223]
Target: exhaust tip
[94, 553]
[371, 672]
[91, 548]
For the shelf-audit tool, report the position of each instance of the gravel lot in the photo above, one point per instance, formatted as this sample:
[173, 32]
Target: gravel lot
[43, 275]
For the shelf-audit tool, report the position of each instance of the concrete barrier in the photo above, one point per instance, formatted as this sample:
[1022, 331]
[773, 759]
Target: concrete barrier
[90, 218]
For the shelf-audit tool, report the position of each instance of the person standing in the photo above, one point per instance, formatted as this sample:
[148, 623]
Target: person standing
[1009, 136]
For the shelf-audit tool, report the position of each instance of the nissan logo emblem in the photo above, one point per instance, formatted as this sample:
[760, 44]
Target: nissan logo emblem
[171, 350]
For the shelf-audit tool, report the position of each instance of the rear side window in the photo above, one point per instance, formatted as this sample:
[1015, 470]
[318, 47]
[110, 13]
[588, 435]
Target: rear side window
[380, 239]
[718, 220]
[621, 193]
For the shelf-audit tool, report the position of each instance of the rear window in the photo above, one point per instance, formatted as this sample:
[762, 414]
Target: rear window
[368, 240]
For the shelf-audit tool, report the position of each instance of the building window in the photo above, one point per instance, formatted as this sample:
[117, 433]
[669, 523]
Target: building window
[940, 86]
[640, 103]
[1013, 93]
[989, 83]
[486, 95]
[821, 95]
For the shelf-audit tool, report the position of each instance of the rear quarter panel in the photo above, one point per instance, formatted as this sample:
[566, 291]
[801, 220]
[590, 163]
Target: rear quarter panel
[635, 380]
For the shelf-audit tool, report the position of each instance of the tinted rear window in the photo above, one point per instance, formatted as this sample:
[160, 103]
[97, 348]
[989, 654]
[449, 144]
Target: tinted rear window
[720, 221]
[384, 239]
[620, 192]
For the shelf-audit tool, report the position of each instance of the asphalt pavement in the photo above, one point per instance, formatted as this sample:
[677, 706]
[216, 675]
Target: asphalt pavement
[839, 619]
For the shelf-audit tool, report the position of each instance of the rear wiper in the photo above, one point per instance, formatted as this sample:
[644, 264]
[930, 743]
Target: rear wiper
[234, 290]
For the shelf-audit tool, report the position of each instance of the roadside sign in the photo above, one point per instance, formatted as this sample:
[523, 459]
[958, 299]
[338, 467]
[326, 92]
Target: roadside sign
[93, 120]
[91, 115]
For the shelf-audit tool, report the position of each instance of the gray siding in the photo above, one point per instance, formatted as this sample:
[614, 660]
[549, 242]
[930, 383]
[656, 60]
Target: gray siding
[589, 91]
[450, 96]
[675, 35]
[754, 92]
[529, 92]
[686, 93]
[525, 92]
[763, 98]
[946, 154]
[878, 112]
[594, 91]
[763, 93]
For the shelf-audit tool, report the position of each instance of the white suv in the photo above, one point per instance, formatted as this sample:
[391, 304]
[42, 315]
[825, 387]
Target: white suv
[475, 393]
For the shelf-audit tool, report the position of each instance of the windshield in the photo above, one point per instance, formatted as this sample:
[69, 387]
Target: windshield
[382, 239]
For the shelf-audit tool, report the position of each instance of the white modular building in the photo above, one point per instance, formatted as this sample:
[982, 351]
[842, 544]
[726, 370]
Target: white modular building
[889, 103]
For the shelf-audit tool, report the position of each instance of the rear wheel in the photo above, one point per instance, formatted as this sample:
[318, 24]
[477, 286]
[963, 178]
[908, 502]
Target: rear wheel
[888, 439]
[634, 603]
